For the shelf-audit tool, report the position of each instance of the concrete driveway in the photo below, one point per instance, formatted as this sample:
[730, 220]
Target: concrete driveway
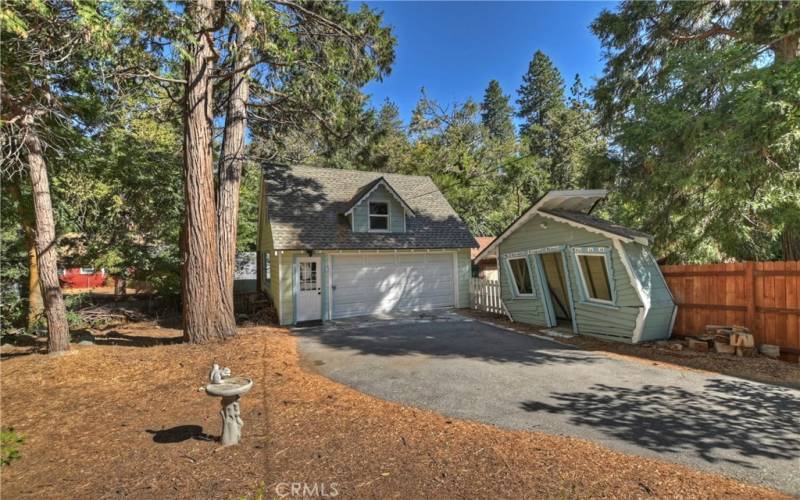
[466, 369]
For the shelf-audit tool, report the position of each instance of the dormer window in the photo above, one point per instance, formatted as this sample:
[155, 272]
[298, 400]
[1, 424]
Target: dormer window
[378, 216]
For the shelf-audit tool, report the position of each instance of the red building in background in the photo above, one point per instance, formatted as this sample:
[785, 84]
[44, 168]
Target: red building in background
[83, 277]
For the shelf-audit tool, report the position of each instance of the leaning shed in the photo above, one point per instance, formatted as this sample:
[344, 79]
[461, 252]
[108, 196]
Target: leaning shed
[560, 266]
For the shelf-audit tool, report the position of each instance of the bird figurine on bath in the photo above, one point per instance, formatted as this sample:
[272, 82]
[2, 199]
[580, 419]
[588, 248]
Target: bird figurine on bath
[217, 374]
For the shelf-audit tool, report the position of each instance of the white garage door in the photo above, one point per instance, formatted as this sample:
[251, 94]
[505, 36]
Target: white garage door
[371, 284]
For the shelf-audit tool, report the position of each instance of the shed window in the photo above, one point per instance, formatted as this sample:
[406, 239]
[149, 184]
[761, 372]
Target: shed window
[378, 216]
[522, 276]
[594, 272]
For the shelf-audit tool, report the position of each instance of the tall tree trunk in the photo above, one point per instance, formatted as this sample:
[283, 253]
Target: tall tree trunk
[203, 317]
[55, 310]
[35, 301]
[35, 298]
[232, 159]
[786, 51]
[790, 243]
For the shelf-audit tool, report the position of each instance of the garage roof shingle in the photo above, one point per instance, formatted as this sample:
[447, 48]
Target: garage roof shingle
[305, 206]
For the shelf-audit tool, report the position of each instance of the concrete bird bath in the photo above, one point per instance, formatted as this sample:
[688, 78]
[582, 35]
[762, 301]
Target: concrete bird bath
[230, 389]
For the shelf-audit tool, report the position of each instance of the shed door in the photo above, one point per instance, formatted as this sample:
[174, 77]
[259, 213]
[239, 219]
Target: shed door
[381, 283]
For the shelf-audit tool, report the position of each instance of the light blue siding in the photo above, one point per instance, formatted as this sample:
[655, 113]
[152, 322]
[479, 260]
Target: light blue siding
[464, 264]
[396, 212]
[524, 309]
[659, 317]
[616, 322]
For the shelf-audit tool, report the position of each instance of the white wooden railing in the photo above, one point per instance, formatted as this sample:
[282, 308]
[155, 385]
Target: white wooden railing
[485, 296]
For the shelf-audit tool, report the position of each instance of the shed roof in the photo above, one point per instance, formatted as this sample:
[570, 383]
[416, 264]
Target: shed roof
[598, 223]
[572, 206]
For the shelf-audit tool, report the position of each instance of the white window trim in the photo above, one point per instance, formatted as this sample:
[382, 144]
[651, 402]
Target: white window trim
[517, 293]
[388, 217]
[605, 254]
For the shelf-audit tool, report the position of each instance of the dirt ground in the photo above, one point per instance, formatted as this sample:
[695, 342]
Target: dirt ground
[125, 418]
[759, 368]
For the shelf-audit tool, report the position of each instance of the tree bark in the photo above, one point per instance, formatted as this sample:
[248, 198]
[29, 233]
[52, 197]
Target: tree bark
[786, 51]
[55, 310]
[232, 160]
[35, 303]
[203, 317]
[35, 298]
[120, 287]
[790, 243]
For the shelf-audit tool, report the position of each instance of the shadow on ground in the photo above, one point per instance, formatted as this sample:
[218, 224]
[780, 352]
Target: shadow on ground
[461, 339]
[750, 420]
[123, 339]
[178, 434]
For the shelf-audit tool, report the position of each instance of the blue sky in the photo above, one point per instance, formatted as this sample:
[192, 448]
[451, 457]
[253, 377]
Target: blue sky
[454, 49]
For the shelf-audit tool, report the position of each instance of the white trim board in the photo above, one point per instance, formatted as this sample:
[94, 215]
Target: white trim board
[643, 297]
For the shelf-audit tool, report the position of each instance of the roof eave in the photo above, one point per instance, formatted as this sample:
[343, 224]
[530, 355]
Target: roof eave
[522, 219]
[627, 239]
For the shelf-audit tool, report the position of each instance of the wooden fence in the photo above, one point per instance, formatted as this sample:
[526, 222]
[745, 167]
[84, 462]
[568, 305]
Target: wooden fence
[485, 296]
[763, 296]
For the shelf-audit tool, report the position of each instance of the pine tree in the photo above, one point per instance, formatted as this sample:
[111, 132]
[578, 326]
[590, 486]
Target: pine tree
[542, 90]
[496, 112]
[577, 94]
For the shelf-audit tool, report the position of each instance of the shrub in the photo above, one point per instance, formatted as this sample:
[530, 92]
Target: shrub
[9, 443]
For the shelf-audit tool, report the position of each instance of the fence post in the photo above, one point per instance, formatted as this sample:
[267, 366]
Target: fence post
[750, 295]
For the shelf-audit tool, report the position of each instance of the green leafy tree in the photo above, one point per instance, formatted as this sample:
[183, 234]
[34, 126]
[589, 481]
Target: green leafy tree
[560, 135]
[542, 91]
[496, 112]
[451, 146]
[49, 95]
[300, 64]
[701, 101]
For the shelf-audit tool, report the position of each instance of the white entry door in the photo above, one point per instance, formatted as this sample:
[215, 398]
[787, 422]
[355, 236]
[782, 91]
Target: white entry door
[309, 289]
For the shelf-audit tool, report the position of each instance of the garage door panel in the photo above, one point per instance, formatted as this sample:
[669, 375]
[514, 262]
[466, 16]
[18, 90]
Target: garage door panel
[440, 259]
[371, 284]
[377, 260]
[415, 259]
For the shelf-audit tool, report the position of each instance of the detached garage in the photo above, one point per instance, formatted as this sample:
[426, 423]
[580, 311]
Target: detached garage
[342, 243]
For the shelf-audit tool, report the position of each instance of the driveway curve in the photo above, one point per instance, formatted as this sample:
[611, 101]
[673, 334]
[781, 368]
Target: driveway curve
[470, 370]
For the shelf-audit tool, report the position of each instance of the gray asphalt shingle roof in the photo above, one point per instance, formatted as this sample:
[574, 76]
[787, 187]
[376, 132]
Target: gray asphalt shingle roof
[305, 207]
[592, 221]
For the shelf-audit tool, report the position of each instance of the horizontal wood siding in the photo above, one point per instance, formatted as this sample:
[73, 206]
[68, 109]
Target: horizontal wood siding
[396, 212]
[464, 263]
[285, 286]
[656, 324]
[763, 296]
[592, 319]
[528, 310]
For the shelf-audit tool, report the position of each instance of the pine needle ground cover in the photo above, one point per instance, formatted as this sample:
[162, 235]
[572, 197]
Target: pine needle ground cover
[125, 418]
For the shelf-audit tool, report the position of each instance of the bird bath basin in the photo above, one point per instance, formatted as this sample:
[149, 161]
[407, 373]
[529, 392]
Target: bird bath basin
[230, 389]
[231, 386]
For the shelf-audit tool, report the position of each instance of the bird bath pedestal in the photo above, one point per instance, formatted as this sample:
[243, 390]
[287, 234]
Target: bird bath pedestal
[230, 390]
